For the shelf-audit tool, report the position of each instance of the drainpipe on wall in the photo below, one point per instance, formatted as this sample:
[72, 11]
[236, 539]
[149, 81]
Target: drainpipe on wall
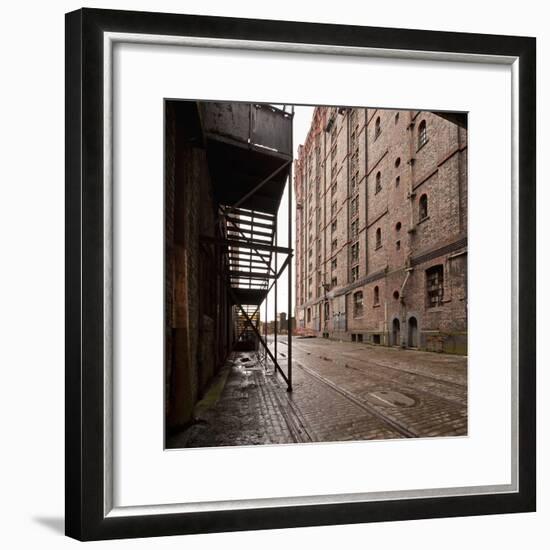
[411, 231]
[324, 234]
[408, 272]
[366, 192]
[347, 213]
[411, 194]
[386, 339]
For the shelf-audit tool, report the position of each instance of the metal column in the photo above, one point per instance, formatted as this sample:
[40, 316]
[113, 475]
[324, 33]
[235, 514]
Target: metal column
[289, 317]
[275, 305]
[265, 329]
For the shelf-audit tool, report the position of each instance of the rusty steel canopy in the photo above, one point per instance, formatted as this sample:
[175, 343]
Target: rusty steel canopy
[245, 144]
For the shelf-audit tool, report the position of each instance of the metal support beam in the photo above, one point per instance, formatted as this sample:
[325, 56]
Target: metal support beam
[289, 316]
[248, 213]
[275, 300]
[255, 265]
[243, 254]
[285, 263]
[240, 222]
[258, 187]
[239, 244]
[252, 231]
[248, 240]
[250, 275]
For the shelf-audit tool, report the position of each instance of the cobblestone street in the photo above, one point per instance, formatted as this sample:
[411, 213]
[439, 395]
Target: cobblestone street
[341, 391]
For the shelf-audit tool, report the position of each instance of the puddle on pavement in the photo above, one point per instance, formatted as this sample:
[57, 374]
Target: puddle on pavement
[393, 398]
[247, 362]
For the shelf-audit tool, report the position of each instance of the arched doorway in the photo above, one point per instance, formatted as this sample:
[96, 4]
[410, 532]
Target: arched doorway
[413, 333]
[396, 333]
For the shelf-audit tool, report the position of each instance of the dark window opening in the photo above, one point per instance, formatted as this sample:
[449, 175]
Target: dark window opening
[355, 252]
[434, 286]
[378, 185]
[358, 304]
[422, 134]
[354, 229]
[377, 129]
[423, 207]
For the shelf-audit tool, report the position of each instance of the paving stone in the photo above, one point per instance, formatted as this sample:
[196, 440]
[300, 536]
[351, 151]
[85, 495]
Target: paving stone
[335, 385]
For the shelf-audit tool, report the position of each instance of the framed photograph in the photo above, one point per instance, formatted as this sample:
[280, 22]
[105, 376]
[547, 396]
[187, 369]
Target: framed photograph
[300, 274]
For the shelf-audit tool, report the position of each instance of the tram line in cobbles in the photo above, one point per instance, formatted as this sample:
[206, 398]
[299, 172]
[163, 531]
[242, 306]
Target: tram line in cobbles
[447, 390]
[402, 422]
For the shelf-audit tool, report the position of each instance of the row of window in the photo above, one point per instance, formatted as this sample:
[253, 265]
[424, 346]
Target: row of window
[422, 214]
[422, 133]
[378, 179]
[434, 292]
[422, 138]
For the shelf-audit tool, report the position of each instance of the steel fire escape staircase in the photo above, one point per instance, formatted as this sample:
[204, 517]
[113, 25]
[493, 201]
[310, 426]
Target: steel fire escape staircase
[249, 152]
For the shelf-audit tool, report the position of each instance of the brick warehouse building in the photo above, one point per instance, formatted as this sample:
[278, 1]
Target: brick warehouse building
[381, 228]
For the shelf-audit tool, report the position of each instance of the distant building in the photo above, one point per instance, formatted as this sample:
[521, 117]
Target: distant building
[293, 323]
[381, 228]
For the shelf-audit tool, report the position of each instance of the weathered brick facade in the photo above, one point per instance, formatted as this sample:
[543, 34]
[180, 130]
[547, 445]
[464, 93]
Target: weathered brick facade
[197, 310]
[381, 228]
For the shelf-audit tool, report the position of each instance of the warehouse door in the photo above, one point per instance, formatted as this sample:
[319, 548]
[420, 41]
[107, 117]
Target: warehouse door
[413, 333]
[396, 333]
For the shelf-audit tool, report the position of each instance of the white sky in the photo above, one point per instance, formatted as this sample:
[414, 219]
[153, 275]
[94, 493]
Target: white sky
[302, 122]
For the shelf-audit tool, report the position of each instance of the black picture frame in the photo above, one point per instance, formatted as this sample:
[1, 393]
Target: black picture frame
[85, 517]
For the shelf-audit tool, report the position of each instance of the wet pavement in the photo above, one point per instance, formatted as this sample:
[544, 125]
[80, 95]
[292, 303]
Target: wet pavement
[248, 411]
[341, 391]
